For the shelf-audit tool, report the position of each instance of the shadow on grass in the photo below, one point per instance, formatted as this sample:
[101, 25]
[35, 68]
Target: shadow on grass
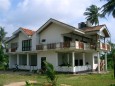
[112, 85]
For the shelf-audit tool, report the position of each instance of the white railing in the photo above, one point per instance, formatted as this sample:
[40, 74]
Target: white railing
[70, 69]
[25, 67]
[82, 68]
[87, 46]
[64, 69]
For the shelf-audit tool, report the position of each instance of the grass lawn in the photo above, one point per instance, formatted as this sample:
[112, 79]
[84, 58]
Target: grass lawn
[73, 80]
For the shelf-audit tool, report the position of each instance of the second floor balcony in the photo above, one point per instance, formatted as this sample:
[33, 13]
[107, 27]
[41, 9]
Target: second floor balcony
[73, 45]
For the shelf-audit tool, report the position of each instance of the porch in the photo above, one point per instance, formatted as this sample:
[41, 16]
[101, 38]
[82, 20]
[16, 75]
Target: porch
[75, 62]
[24, 61]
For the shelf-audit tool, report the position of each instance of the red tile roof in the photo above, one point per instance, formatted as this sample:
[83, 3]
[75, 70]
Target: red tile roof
[28, 32]
[95, 28]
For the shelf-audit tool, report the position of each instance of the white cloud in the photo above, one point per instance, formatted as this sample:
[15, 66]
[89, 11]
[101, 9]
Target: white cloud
[35, 11]
[4, 5]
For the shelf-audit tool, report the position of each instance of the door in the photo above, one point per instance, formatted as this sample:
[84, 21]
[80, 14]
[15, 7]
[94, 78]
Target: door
[42, 63]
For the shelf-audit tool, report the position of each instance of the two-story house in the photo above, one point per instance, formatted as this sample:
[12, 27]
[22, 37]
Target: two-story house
[68, 48]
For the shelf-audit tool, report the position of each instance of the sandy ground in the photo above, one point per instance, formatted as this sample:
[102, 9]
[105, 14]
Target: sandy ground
[19, 83]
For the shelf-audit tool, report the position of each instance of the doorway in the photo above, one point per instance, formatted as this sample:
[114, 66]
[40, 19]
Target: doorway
[42, 63]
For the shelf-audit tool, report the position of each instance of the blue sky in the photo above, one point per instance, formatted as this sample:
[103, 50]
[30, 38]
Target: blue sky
[33, 13]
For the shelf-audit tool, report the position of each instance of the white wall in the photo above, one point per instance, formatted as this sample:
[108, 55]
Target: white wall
[13, 41]
[35, 41]
[53, 33]
[18, 39]
[51, 57]
[21, 37]
[12, 60]
[94, 65]
[89, 59]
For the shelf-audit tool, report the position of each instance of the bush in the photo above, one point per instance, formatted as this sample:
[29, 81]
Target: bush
[50, 73]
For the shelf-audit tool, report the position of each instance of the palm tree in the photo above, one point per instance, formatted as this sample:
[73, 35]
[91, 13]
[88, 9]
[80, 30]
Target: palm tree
[92, 14]
[109, 8]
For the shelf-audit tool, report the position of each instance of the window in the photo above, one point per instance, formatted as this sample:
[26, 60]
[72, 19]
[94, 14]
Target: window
[81, 62]
[76, 63]
[33, 60]
[95, 60]
[26, 45]
[23, 59]
[43, 40]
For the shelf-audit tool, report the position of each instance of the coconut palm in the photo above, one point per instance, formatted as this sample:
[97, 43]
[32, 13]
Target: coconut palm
[109, 8]
[92, 14]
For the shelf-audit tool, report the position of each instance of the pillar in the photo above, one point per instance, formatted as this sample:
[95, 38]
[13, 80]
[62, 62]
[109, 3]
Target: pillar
[98, 56]
[17, 59]
[83, 59]
[105, 61]
[27, 59]
[73, 61]
[68, 58]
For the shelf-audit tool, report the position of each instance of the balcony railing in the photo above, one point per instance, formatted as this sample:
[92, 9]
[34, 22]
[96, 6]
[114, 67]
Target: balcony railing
[104, 46]
[13, 49]
[74, 45]
[63, 45]
[39, 47]
[51, 46]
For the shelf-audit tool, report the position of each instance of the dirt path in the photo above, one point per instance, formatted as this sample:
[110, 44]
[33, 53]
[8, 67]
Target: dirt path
[19, 83]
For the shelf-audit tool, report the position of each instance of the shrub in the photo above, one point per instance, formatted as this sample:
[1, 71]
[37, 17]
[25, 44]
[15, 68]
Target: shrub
[50, 73]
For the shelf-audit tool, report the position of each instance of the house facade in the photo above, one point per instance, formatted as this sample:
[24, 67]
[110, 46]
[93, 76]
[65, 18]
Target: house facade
[68, 48]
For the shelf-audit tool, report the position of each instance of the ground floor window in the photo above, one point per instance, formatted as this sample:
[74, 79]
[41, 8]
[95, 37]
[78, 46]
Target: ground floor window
[23, 59]
[64, 59]
[79, 62]
[33, 60]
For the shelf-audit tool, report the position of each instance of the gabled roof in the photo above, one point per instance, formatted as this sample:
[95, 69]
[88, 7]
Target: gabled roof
[50, 21]
[97, 28]
[94, 28]
[27, 32]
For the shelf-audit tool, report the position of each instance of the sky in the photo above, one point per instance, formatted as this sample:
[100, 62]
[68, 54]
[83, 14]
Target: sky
[33, 14]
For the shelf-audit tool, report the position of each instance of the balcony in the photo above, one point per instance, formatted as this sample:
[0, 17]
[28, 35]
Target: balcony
[73, 45]
[13, 49]
[104, 46]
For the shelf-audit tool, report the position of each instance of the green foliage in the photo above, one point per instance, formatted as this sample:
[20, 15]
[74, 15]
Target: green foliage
[111, 55]
[3, 56]
[92, 14]
[109, 8]
[28, 83]
[50, 73]
[112, 85]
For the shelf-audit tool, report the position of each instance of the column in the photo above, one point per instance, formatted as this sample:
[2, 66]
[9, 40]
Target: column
[73, 61]
[98, 56]
[105, 61]
[83, 59]
[17, 59]
[68, 58]
[38, 61]
[27, 59]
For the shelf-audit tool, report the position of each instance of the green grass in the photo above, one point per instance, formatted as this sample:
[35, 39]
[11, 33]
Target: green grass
[73, 80]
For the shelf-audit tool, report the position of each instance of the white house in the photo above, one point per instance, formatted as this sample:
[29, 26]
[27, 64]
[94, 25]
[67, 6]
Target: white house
[68, 48]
